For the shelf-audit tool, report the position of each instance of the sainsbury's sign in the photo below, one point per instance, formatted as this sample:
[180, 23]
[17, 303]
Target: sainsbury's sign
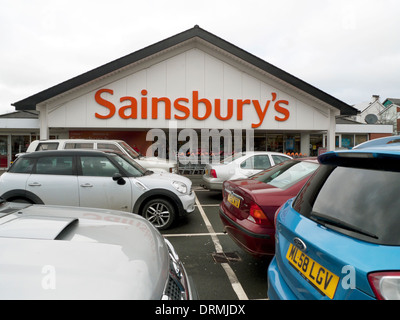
[183, 108]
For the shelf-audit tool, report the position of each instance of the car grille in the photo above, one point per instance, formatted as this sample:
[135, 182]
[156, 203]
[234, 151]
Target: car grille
[175, 288]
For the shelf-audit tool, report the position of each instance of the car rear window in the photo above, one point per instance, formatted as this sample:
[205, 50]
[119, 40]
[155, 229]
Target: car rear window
[43, 146]
[365, 199]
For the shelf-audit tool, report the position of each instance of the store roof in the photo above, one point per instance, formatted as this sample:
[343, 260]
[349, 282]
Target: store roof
[30, 103]
[22, 114]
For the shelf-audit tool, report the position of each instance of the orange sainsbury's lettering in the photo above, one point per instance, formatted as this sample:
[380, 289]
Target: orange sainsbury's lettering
[199, 108]
[182, 108]
[144, 104]
[282, 110]
[240, 104]
[218, 110]
[260, 113]
[196, 102]
[105, 103]
[154, 107]
[132, 107]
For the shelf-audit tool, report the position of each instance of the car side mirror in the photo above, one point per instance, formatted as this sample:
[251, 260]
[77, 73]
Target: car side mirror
[118, 177]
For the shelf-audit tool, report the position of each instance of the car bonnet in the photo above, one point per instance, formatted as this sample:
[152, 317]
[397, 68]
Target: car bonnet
[78, 253]
[157, 178]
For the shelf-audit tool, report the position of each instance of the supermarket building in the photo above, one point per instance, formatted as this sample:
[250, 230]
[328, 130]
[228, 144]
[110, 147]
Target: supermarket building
[193, 80]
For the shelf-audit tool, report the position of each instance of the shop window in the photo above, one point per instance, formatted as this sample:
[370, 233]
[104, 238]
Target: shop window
[260, 144]
[360, 138]
[347, 141]
[275, 142]
[3, 152]
[292, 144]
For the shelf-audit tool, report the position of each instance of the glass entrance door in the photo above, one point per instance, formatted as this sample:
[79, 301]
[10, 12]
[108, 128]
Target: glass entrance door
[19, 144]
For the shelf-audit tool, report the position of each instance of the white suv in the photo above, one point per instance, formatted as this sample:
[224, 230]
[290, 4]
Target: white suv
[151, 163]
[89, 178]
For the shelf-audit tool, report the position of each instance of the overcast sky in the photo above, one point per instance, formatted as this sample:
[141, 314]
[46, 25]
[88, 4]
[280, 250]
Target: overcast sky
[348, 48]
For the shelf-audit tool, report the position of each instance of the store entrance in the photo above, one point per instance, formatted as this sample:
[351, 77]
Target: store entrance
[19, 144]
[316, 141]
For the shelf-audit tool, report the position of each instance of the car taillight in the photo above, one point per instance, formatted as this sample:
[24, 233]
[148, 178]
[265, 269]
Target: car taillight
[173, 170]
[213, 173]
[386, 285]
[258, 215]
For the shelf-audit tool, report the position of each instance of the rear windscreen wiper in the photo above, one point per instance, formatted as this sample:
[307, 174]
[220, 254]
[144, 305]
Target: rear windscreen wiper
[325, 219]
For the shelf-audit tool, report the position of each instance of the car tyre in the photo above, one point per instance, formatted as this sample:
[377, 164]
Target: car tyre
[160, 212]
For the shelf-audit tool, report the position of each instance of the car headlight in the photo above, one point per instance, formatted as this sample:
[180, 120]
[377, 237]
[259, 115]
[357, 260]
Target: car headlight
[180, 186]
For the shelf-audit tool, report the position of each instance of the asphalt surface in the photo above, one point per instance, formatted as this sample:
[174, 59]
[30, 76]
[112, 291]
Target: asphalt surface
[220, 269]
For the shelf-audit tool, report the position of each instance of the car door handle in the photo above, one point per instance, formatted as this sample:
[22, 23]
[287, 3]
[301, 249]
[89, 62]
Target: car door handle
[86, 185]
[34, 184]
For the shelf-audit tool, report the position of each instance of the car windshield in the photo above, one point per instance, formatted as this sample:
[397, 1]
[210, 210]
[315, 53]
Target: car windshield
[358, 199]
[129, 149]
[287, 173]
[129, 165]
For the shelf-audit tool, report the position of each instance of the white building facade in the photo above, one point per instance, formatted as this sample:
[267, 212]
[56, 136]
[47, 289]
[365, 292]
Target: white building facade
[193, 80]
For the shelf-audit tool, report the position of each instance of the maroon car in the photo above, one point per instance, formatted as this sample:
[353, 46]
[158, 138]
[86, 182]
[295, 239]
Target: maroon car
[248, 207]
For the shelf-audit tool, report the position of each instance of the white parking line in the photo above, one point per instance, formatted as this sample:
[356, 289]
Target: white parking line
[210, 205]
[193, 234]
[237, 287]
[199, 189]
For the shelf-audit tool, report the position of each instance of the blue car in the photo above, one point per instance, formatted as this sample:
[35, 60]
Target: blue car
[340, 237]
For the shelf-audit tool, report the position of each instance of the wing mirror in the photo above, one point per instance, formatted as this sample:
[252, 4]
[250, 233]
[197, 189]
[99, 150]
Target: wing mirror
[118, 177]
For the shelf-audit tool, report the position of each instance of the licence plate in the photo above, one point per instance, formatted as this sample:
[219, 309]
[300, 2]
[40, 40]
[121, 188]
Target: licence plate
[318, 276]
[234, 200]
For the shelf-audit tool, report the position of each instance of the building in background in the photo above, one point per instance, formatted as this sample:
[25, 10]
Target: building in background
[191, 81]
[374, 112]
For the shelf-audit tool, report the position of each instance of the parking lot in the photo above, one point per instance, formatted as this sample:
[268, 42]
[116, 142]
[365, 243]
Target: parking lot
[219, 268]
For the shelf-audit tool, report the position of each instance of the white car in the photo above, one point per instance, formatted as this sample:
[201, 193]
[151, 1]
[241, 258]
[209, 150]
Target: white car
[89, 178]
[53, 252]
[151, 163]
[241, 165]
